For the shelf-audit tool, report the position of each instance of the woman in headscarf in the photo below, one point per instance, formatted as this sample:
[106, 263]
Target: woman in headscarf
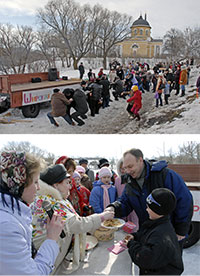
[18, 186]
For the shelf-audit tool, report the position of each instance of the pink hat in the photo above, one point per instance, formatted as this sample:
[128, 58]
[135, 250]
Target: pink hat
[80, 169]
[105, 171]
[76, 174]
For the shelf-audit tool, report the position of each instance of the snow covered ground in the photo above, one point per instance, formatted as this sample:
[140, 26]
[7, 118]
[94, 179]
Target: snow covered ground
[181, 116]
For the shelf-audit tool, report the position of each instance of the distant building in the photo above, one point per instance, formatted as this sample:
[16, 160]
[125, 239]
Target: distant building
[141, 44]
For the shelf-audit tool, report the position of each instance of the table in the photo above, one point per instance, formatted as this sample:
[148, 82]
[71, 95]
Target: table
[100, 261]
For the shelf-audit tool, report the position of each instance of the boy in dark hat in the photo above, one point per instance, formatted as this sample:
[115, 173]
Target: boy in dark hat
[155, 248]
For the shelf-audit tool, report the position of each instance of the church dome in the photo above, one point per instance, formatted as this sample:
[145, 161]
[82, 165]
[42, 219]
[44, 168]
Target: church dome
[141, 22]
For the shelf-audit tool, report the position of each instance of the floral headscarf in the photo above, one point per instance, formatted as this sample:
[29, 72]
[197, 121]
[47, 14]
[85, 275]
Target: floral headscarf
[13, 172]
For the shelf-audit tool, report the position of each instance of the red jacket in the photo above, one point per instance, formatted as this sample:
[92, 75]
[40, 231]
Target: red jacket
[137, 98]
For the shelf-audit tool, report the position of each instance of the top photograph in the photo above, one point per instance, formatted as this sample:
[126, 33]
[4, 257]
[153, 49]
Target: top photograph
[89, 67]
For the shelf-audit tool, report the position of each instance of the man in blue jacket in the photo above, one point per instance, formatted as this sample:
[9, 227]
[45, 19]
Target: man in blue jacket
[142, 178]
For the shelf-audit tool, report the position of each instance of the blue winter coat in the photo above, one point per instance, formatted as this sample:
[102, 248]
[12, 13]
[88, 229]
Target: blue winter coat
[96, 196]
[15, 243]
[157, 176]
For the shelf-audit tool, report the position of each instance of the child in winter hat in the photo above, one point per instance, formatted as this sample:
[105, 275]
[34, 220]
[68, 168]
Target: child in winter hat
[80, 170]
[155, 247]
[82, 189]
[105, 173]
[77, 177]
[161, 201]
[103, 193]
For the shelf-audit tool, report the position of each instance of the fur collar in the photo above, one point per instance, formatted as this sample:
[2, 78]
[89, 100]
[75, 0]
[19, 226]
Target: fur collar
[46, 189]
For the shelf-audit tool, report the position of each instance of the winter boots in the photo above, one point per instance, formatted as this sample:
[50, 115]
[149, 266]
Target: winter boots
[182, 93]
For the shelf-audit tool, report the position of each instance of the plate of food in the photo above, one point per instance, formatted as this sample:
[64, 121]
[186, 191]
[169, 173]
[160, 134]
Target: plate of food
[91, 242]
[113, 223]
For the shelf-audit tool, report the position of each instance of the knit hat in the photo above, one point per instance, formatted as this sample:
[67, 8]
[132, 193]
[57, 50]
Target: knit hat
[80, 169]
[61, 159]
[105, 171]
[103, 162]
[76, 174]
[13, 172]
[134, 88]
[54, 174]
[83, 161]
[162, 201]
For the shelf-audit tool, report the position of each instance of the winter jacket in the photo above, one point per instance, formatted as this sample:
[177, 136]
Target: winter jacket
[96, 196]
[96, 90]
[59, 104]
[74, 224]
[80, 101]
[157, 176]
[81, 69]
[118, 86]
[15, 243]
[85, 194]
[198, 84]
[90, 173]
[183, 77]
[106, 88]
[137, 98]
[155, 248]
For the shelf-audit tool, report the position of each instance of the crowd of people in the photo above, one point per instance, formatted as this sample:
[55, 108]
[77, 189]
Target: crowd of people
[126, 82]
[45, 213]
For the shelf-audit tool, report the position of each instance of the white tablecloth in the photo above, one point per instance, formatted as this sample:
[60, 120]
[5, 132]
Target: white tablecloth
[103, 262]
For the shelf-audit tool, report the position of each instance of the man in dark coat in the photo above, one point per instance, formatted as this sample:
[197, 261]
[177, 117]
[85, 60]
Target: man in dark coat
[95, 95]
[59, 107]
[81, 70]
[142, 178]
[105, 91]
[81, 106]
[118, 87]
[155, 248]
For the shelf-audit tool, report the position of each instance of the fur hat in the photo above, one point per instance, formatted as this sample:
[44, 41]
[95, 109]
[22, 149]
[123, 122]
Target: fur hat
[105, 171]
[80, 169]
[162, 201]
[54, 174]
[76, 174]
[103, 162]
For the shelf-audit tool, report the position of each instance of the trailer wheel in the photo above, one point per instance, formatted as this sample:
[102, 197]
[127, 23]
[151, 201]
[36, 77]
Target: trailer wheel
[31, 111]
[194, 234]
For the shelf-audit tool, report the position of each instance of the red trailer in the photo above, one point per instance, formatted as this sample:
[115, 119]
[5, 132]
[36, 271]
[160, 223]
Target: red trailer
[29, 91]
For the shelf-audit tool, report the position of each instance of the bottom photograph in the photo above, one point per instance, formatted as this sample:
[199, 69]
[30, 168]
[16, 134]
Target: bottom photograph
[99, 204]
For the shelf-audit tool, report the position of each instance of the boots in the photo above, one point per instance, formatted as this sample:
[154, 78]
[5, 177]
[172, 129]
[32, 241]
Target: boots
[182, 93]
[137, 117]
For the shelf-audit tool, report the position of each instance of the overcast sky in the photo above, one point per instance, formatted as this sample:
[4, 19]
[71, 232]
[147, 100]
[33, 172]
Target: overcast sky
[162, 15]
[103, 145]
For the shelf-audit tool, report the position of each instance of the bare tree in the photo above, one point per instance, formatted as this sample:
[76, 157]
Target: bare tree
[174, 43]
[17, 44]
[114, 29]
[28, 147]
[78, 26]
[192, 42]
